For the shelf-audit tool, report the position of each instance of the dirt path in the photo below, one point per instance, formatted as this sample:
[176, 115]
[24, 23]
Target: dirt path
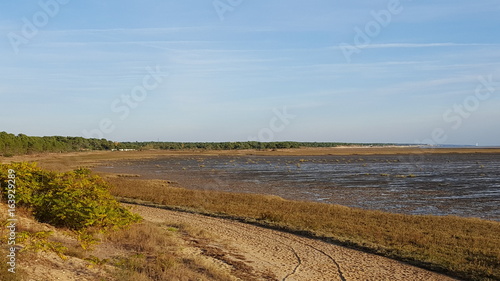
[265, 254]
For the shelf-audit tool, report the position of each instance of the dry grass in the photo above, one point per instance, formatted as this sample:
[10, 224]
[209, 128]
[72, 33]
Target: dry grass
[461, 247]
[155, 255]
[5, 275]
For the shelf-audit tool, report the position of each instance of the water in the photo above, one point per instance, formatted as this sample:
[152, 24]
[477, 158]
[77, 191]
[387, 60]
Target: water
[440, 184]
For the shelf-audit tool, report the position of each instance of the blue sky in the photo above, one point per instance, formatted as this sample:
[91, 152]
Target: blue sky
[233, 70]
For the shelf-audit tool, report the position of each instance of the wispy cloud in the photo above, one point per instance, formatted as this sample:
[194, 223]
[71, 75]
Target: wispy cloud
[417, 45]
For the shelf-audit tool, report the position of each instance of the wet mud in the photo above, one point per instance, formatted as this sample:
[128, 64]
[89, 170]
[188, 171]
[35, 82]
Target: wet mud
[439, 184]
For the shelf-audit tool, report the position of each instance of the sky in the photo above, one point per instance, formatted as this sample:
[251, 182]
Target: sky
[408, 71]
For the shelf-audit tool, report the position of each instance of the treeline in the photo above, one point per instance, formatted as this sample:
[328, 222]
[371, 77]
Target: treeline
[233, 145]
[21, 144]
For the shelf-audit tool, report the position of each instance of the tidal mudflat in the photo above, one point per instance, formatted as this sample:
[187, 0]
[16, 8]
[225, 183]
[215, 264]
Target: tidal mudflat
[439, 184]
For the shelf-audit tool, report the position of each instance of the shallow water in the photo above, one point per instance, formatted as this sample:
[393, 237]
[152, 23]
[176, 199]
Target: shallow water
[439, 184]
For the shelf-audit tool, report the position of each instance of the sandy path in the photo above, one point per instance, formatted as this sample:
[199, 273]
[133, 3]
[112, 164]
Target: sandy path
[265, 252]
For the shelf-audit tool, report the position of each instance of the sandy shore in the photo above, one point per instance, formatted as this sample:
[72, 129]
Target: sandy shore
[266, 254]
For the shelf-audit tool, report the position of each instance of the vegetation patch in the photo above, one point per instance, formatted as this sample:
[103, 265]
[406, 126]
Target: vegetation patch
[21, 144]
[76, 200]
[156, 254]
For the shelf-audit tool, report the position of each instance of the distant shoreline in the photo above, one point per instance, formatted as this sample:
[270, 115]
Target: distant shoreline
[308, 151]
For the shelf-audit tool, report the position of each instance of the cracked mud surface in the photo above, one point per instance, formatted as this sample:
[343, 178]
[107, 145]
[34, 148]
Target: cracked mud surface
[265, 254]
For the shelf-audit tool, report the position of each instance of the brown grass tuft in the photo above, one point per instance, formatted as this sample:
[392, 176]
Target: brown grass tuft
[155, 256]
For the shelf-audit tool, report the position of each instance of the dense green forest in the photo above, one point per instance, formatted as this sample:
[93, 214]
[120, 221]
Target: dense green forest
[21, 144]
[11, 144]
[232, 145]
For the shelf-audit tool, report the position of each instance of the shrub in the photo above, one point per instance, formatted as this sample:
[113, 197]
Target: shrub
[75, 199]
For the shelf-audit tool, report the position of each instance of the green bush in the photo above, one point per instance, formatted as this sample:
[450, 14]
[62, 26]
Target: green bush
[75, 199]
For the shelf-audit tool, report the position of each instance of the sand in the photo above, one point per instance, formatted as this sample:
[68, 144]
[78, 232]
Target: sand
[265, 254]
